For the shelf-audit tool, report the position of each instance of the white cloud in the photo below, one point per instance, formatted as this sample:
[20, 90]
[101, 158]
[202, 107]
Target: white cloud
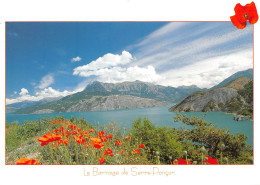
[195, 53]
[15, 92]
[107, 61]
[39, 95]
[23, 92]
[46, 81]
[209, 72]
[52, 93]
[119, 74]
[112, 68]
[76, 59]
[177, 44]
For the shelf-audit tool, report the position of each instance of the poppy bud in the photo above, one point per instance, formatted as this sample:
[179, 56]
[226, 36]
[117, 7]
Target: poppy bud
[225, 160]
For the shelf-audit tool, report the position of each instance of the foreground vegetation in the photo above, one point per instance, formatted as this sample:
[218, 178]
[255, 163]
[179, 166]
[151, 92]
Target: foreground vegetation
[60, 141]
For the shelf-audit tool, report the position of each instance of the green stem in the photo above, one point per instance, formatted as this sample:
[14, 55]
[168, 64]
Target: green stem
[221, 160]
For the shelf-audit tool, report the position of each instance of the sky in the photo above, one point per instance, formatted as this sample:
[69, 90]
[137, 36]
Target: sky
[56, 59]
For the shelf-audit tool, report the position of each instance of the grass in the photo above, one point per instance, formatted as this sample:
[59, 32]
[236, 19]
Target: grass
[75, 141]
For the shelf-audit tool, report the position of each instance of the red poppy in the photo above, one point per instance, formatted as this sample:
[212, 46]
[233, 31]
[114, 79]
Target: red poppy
[211, 161]
[98, 145]
[101, 133]
[49, 138]
[91, 130]
[135, 152]
[95, 140]
[118, 143]
[128, 138]
[25, 161]
[141, 145]
[66, 142]
[181, 162]
[244, 14]
[79, 139]
[109, 152]
[102, 160]
[109, 136]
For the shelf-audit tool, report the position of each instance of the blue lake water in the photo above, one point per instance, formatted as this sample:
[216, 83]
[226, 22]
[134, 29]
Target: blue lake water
[158, 115]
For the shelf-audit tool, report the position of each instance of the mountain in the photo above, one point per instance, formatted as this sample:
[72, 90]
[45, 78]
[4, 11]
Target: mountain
[11, 108]
[246, 73]
[108, 96]
[143, 89]
[229, 97]
[92, 103]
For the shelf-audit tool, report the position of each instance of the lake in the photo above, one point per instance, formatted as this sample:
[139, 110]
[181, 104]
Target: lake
[158, 115]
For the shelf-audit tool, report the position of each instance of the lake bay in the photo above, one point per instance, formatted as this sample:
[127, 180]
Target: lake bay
[160, 116]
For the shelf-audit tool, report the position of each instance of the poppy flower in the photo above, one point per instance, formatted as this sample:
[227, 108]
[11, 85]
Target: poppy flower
[181, 162]
[141, 145]
[109, 136]
[109, 152]
[118, 143]
[49, 138]
[102, 160]
[121, 152]
[25, 161]
[101, 133]
[244, 14]
[66, 142]
[98, 145]
[211, 161]
[91, 130]
[95, 140]
[135, 152]
[128, 138]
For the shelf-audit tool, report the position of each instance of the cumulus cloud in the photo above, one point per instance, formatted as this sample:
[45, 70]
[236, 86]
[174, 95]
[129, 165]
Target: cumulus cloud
[115, 68]
[46, 81]
[23, 92]
[107, 61]
[76, 59]
[49, 92]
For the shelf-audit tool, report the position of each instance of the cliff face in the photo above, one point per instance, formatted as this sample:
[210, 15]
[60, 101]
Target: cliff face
[225, 98]
[199, 101]
[114, 102]
[143, 90]
[99, 103]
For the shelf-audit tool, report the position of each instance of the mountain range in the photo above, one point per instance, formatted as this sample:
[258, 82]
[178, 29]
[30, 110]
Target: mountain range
[127, 95]
[234, 94]
[109, 96]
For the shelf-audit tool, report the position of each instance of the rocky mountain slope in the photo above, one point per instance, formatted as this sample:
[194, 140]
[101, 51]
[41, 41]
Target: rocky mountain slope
[225, 98]
[102, 96]
[143, 89]
[246, 73]
[93, 103]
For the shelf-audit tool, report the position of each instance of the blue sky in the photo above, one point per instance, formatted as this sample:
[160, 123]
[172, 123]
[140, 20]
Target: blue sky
[45, 60]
